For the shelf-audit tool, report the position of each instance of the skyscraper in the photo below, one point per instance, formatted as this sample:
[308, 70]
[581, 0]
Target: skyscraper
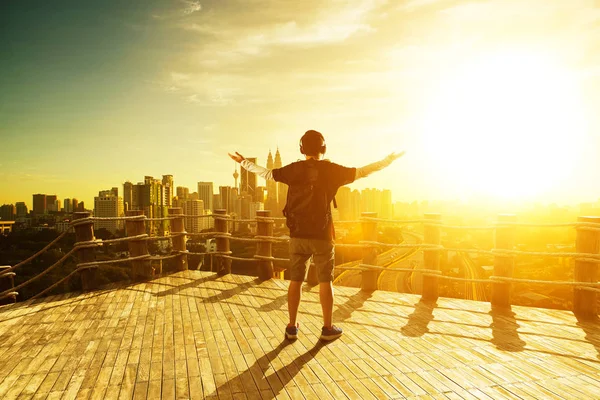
[51, 202]
[68, 206]
[248, 180]
[228, 198]
[128, 196]
[168, 189]
[21, 208]
[205, 193]
[106, 204]
[193, 207]
[39, 204]
[281, 187]
[271, 202]
[8, 212]
[183, 193]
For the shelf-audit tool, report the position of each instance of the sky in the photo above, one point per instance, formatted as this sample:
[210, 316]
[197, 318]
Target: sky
[489, 99]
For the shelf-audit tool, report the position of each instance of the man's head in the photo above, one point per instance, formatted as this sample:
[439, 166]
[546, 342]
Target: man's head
[313, 144]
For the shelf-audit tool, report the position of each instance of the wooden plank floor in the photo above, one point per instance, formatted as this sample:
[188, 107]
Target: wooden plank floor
[193, 335]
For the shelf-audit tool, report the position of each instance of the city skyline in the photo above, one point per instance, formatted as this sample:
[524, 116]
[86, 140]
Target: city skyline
[100, 92]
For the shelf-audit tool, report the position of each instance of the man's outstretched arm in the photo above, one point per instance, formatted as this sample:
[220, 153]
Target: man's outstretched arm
[250, 166]
[376, 166]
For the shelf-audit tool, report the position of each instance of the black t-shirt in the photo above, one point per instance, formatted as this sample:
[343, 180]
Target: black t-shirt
[330, 175]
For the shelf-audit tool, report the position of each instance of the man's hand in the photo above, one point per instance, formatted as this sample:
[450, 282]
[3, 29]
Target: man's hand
[394, 156]
[237, 157]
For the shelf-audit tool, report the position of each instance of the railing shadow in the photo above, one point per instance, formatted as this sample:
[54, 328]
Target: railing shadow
[356, 301]
[228, 293]
[280, 301]
[504, 329]
[419, 320]
[591, 327]
[194, 283]
[275, 382]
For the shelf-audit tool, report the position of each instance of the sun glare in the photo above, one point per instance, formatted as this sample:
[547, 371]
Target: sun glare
[506, 125]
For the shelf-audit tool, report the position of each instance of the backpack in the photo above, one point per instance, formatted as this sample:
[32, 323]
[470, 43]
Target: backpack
[307, 207]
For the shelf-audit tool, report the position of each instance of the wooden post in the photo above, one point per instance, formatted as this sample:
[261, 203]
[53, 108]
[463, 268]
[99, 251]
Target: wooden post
[84, 233]
[223, 264]
[588, 241]
[141, 269]
[7, 281]
[177, 226]
[431, 258]
[369, 233]
[264, 228]
[504, 266]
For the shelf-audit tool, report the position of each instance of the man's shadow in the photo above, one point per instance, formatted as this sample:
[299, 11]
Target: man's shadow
[275, 381]
[419, 320]
[504, 329]
[591, 327]
[280, 301]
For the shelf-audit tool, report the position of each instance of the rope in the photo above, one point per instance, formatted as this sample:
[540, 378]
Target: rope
[167, 257]
[460, 227]
[257, 256]
[9, 294]
[41, 273]
[52, 243]
[591, 256]
[394, 221]
[125, 239]
[202, 234]
[57, 283]
[281, 239]
[456, 278]
[239, 258]
[567, 283]
[377, 267]
[9, 274]
[271, 218]
[115, 261]
[424, 246]
[167, 237]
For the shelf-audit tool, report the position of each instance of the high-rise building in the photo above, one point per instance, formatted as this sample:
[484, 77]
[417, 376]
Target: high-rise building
[217, 201]
[205, 193]
[282, 188]
[39, 204]
[67, 206]
[106, 204]
[8, 212]
[128, 196]
[21, 209]
[183, 193]
[344, 203]
[75, 206]
[386, 204]
[228, 198]
[248, 180]
[51, 202]
[194, 207]
[260, 194]
[81, 206]
[271, 202]
[168, 188]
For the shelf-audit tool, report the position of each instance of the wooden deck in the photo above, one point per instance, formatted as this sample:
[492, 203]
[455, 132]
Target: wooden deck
[193, 335]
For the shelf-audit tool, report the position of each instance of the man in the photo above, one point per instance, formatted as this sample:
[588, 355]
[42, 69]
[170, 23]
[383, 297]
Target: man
[313, 183]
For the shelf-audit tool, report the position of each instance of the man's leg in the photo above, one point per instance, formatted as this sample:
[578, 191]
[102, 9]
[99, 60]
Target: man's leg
[294, 296]
[299, 258]
[324, 258]
[326, 297]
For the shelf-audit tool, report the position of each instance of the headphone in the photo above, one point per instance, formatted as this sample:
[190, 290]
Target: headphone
[323, 147]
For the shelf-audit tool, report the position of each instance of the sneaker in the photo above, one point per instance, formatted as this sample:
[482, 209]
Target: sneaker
[291, 332]
[328, 334]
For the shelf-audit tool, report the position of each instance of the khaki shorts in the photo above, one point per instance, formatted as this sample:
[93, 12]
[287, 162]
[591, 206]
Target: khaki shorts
[322, 253]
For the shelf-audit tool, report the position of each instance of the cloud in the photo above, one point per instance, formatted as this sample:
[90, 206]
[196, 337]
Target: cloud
[191, 7]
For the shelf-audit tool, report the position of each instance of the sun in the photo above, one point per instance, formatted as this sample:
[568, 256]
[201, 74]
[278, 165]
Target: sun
[508, 125]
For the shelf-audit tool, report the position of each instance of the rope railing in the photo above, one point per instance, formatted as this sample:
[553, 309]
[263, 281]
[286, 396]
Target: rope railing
[263, 237]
